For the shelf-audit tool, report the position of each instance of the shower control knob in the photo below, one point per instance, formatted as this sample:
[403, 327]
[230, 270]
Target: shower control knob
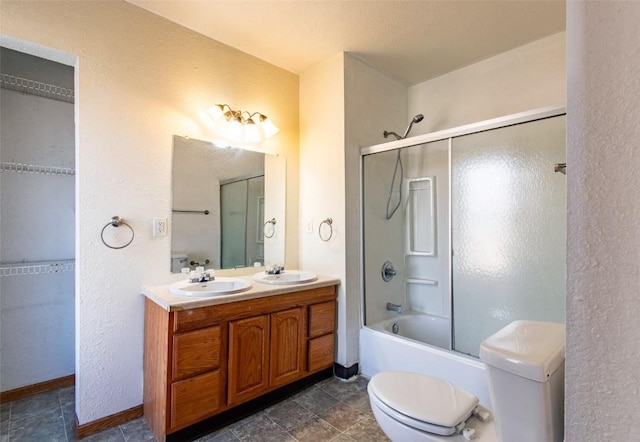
[388, 272]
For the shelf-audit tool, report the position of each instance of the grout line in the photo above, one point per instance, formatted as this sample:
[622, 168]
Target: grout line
[124, 438]
[64, 421]
[9, 424]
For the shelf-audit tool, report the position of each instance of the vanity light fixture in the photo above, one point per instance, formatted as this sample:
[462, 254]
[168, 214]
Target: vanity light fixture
[243, 125]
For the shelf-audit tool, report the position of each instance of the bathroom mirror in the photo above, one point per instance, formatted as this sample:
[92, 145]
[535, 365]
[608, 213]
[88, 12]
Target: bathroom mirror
[228, 206]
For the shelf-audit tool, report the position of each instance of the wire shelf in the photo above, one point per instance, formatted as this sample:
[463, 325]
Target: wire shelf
[31, 168]
[38, 88]
[37, 267]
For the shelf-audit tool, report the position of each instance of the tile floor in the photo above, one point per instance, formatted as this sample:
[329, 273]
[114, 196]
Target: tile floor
[331, 410]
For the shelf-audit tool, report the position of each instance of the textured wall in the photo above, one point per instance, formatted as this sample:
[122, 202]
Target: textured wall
[140, 79]
[603, 302]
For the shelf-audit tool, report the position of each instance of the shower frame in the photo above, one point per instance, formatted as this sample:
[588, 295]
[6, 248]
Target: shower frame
[443, 135]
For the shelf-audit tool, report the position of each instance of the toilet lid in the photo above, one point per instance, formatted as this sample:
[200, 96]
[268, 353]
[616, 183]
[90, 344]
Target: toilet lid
[423, 398]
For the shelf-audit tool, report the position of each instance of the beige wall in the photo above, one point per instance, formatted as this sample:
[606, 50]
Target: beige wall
[344, 104]
[140, 79]
[529, 77]
[322, 130]
[373, 103]
[603, 173]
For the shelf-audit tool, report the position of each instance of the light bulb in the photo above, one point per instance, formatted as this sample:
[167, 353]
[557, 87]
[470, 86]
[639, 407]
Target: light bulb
[216, 111]
[268, 127]
[251, 132]
[234, 131]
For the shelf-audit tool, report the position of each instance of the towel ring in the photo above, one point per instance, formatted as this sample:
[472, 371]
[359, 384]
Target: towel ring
[328, 222]
[116, 221]
[272, 221]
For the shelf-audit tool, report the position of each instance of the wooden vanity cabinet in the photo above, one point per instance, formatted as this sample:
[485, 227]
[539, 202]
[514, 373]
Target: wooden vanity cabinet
[206, 360]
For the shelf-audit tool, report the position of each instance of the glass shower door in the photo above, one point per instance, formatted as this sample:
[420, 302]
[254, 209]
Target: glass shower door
[508, 229]
[233, 214]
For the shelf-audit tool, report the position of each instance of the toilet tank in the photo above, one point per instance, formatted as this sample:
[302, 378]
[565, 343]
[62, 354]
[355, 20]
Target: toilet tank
[525, 369]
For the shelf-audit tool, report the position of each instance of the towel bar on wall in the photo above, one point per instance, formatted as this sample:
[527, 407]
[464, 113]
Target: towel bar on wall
[116, 221]
[329, 223]
[201, 212]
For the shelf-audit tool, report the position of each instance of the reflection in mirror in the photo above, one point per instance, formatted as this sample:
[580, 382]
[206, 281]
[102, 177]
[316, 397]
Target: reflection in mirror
[228, 206]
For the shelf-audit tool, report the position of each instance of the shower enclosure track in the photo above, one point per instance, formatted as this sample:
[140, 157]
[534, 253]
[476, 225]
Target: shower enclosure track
[495, 123]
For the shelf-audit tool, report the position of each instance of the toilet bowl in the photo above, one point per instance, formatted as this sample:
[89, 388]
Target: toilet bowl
[415, 407]
[525, 370]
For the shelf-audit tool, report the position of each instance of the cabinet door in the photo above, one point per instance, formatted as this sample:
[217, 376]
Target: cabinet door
[287, 346]
[248, 353]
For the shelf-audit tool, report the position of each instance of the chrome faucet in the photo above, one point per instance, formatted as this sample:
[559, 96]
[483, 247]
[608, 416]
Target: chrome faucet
[275, 270]
[394, 307]
[202, 277]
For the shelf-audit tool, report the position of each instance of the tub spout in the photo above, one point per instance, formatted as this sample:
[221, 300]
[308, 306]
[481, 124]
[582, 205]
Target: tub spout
[394, 307]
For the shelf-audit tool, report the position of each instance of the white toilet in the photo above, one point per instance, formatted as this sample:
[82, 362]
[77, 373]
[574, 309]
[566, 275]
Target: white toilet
[525, 370]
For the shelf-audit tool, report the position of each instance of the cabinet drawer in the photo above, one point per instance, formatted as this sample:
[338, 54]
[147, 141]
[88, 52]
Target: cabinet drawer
[195, 318]
[322, 319]
[195, 352]
[194, 399]
[321, 352]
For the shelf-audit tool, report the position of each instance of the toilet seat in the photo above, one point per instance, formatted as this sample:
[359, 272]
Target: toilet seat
[422, 402]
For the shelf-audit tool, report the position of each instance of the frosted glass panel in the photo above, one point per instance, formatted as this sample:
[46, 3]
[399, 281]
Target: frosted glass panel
[242, 215]
[508, 229]
[255, 218]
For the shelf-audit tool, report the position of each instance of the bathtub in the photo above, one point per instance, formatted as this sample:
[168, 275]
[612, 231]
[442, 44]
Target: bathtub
[415, 348]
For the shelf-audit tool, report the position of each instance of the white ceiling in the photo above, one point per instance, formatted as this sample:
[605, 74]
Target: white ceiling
[411, 41]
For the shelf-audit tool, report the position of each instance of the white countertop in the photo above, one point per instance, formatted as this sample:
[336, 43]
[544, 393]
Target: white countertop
[160, 293]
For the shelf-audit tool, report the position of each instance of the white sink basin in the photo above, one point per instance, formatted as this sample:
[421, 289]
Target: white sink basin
[217, 287]
[285, 277]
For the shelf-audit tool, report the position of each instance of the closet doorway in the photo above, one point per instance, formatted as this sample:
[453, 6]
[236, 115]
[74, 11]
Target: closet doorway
[37, 222]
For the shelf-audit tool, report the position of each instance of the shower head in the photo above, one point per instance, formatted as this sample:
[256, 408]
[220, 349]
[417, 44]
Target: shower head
[418, 118]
